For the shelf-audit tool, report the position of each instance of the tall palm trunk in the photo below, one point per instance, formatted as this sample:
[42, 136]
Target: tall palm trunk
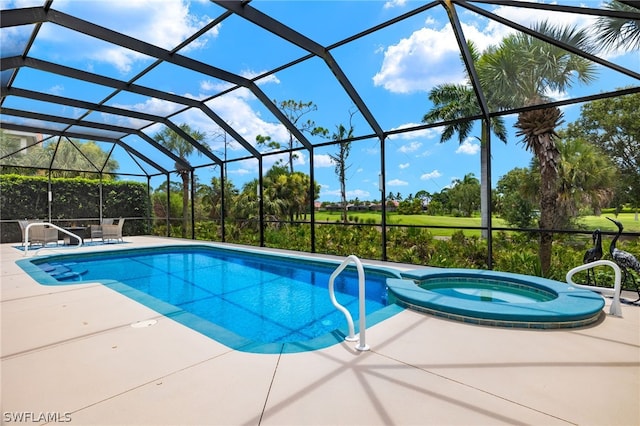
[484, 179]
[537, 127]
[343, 198]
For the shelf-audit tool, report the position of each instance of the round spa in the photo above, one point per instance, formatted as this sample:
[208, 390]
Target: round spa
[496, 298]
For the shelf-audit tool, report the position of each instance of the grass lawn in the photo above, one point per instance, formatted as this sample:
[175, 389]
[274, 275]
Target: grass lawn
[589, 222]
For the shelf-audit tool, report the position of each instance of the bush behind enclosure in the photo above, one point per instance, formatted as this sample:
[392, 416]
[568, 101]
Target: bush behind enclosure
[512, 252]
[27, 197]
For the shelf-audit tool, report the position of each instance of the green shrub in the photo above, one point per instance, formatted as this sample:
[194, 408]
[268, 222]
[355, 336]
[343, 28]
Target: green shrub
[74, 200]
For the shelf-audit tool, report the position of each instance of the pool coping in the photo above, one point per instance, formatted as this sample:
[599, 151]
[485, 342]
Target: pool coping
[573, 307]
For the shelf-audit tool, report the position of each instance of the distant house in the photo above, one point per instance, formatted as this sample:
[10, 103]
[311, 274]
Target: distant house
[392, 205]
[363, 207]
[359, 208]
[25, 139]
[334, 207]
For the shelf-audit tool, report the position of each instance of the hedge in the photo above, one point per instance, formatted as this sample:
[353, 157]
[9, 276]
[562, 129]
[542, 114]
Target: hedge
[26, 197]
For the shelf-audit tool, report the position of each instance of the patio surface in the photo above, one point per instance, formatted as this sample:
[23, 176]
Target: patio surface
[69, 354]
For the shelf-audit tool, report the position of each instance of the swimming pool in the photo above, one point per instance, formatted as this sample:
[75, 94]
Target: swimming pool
[496, 298]
[247, 300]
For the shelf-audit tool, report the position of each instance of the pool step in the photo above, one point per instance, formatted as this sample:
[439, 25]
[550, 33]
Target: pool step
[62, 271]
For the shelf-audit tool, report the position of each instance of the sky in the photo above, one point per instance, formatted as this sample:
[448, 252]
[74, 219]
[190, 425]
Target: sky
[392, 70]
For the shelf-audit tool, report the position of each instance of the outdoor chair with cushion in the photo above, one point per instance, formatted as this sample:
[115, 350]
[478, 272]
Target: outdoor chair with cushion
[40, 234]
[96, 230]
[113, 232]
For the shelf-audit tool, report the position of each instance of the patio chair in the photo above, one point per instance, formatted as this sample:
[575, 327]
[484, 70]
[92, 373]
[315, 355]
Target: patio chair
[96, 230]
[113, 232]
[41, 235]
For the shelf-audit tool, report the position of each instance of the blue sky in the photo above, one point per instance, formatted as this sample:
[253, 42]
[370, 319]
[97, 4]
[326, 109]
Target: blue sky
[392, 70]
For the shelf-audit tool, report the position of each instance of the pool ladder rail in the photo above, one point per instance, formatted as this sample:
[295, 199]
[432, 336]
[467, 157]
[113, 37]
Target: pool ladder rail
[616, 308]
[25, 243]
[352, 337]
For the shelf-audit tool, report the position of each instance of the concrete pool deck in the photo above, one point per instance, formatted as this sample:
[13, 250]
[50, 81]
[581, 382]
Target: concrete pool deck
[69, 354]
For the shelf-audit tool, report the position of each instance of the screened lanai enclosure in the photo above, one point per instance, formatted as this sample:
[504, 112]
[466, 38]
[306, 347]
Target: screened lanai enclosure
[250, 121]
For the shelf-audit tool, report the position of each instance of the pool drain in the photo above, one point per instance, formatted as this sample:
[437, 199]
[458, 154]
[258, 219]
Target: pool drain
[143, 324]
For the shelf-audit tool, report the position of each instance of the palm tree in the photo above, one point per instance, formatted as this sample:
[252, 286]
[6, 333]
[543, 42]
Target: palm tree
[455, 102]
[522, 71]
[211, 196]
[587, 177]
[182, 148]
[612, 33]
[340, 161]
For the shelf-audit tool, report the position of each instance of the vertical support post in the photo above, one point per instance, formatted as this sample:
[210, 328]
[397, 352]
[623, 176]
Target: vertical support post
[168, 206]
[49, 196]
[193, 202]
[260, 201]
[149, 210]
[383, 201]
[312, 202]
[101, 207]
[223, 185]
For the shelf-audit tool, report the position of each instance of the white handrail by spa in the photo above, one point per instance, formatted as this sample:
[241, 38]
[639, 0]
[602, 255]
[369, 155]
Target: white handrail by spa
[616, 308]
[362, 345]
[51, 225]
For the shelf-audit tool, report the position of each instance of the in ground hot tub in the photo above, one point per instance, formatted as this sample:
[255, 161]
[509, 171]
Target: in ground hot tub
[496, 298]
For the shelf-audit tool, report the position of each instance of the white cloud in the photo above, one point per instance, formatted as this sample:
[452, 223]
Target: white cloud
[372, 151]
[14, 39]
[322, 160]
[397, 182]
[152, 106]
[264, 80]
[431, 175]
[394, 3]
[58, 89]
[214, 86]
[235, 108]
[208, 86]
[468, 147]
[162, 23]
[358, 193]
[410, 147]
[423, 133]
[430, 56]
[241, 172]
[403, 165]
[417, 63]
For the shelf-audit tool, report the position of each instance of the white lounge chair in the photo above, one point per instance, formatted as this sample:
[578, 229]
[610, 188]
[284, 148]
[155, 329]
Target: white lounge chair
[96, 230]
[41, 234]
[113, 232]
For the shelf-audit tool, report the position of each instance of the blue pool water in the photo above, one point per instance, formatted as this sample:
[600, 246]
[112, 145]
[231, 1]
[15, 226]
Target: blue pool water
[246, 300]
[487, 290]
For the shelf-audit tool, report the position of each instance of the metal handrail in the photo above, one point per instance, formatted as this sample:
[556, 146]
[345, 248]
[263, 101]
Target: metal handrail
[362, 345]
[616, 307]
[51, 225]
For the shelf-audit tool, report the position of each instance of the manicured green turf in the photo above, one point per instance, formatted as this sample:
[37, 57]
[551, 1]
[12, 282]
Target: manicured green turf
[589, 222]
[627, 219]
